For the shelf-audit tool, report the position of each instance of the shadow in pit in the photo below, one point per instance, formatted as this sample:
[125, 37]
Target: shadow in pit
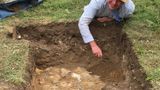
[61, 45]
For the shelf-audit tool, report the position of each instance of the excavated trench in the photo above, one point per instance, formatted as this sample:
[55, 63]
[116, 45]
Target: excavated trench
[63, 62]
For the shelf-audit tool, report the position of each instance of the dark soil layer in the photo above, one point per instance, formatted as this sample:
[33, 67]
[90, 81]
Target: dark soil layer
[59, 46]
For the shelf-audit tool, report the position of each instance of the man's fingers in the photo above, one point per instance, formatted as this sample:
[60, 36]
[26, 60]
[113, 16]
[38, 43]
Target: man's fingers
[98, 54]
[96, 51]
[95, 54]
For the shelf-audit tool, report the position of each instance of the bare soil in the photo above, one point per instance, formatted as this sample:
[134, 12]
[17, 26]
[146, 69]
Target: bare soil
[7, 86]
[64, 62]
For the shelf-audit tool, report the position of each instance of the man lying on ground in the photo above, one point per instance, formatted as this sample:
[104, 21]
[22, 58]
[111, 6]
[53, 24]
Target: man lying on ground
[105, 11]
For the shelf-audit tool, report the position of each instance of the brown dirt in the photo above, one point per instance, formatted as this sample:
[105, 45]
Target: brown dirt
[7, 86]
[64, 62]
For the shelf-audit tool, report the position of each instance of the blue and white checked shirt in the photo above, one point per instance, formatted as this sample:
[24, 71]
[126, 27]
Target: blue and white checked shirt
[100, 8]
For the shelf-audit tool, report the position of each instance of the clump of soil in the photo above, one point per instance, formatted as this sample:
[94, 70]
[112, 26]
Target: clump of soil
[64, 62]
[57, 78]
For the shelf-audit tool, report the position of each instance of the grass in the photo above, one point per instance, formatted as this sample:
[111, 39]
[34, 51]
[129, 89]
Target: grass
[143, 29]
[13, 59]
[54, 10]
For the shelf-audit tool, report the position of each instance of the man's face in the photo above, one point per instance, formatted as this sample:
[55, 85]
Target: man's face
[114, 4]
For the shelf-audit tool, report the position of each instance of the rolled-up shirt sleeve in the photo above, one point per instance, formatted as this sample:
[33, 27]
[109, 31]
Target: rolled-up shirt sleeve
[86, 18]
[127, 9]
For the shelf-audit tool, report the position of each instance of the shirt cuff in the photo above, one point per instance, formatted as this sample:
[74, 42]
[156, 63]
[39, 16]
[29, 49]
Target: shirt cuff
[88, 39]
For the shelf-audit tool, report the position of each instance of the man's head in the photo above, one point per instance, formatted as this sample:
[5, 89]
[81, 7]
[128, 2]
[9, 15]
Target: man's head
[114, 4]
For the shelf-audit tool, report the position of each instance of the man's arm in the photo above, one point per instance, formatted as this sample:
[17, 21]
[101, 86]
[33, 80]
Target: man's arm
[89, 13]
[86, 18]
[127, 9]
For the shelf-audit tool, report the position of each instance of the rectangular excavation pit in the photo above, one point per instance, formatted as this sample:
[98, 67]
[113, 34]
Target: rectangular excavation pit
[64, 62]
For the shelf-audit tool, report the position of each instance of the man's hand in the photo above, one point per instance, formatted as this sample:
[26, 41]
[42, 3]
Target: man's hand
[104, 19]
[95, 49]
